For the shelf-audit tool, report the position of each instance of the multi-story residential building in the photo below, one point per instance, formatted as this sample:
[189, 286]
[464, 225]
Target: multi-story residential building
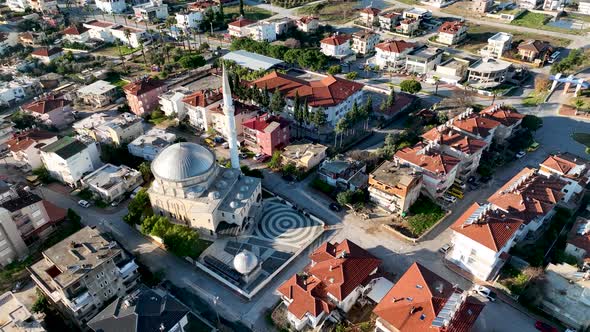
[281, 24]
[532, 49]
[565, 295]
[76, 34]
[497, 45]
[262, 31]
[304, 154]
[337, 46]
[394, 187]
[344, 173]
[111, 182]
[307, 23]
[530, 4]
[554, 4]
[53, 111]
[452, 32]
[189, 19]
[363, 42]
[489, 72]
[172, 104]
[369, 16]
[423, 59]
[15, 317]
[578, 240]
[8, 41]
[109, 32]
[6, 133]
[392, 54]
[266, 133]
[508, 118]
[452, 71]
[84, 272]
[388, 20]
[438, 169]
[584, 7]
[482, 6]
[408, 26]
[417, 13]
[570, 168]
[334, 280]
[46, 55]
[476, 126]
[148, 145]
[482, 237]
[151, 11]
[24, 219]
[18, 89]
[143, 94]
[166, 313]
[465, 148]
[332, 95]
[422, 301]
[98, 94]
[68, 159]
[26, 147]
[111, 6]
[119, 129]
[44, 6]
[240, 27]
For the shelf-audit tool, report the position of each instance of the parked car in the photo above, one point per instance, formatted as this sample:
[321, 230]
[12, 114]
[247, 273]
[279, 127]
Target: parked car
[554, 57]
[261, 157]
[544, 327]
[84, 203]
[335, 207]
[485, 292]
[520, 154]
[18, 286]
[533, 147]
[449, 198]
[445, 248]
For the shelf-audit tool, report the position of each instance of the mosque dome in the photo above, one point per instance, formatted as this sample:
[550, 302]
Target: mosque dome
[182, 161]
[245, 262]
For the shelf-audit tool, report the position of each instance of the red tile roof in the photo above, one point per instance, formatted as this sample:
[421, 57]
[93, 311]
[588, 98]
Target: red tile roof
[418, 297]
[260, 123]
[451, 27]
[454, 139]
[475, 125]
[395, 46]
[44, 51]
[529, 195]
[578, 239]
[492, 229]
[100, 24]
[326, 92]
[336, 40]
[534, 45]
[203, 98]
[75, 30]
[390, 15]
[25, 139]
[566, 164]
[199, 6]
[54, 212]
[242, 22]
[434, 161]
[46, 105]
[307, 19]
[337, 269]
[503, 114]
[371, 11]
[142, 86]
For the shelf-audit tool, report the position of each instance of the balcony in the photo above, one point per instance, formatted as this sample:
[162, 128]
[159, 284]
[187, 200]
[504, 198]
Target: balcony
[80, 301]
[128, 269]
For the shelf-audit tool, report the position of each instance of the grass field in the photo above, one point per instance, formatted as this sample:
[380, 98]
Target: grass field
[337, 13]
[479, 34]
[535, 98]
[252, 13]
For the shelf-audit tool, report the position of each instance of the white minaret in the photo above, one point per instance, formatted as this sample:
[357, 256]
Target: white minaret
[229, 111]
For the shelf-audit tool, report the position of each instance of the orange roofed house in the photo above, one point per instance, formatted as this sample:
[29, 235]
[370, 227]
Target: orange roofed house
[369, 16]
[333, 95]
[421, 301]
[240, 27]
[46, 55]
[335, 278]
[570, 168]
[474, 125]
[438, 168]
[337, 46]
[143, 94]
[26, 147]
[509, 119]
[266, 133]
[51, 110]
[451, 33]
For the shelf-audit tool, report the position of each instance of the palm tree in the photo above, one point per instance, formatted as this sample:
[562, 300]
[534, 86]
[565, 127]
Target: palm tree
[242, 8]
[436, 80]
[143, 53]
[579, 104]
[127, 34]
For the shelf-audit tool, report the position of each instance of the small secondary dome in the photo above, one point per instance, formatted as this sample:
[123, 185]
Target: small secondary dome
[245, 262]
[182, 161]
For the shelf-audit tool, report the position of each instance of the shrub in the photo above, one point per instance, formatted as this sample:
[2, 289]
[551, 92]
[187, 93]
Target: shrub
[321, 185]
[411, 86]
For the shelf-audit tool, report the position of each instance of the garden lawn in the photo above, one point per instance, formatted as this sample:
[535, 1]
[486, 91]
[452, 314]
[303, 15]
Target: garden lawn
[336, 13]
[535, 98]
[423, 215]
[582, 138]
[538, 20]
[252, 13]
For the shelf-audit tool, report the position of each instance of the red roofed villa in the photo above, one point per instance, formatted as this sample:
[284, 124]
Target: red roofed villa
[51, 110]
[25, 147]
[336, 277]
[475, 125]
[239, 28]
[392, 54]
[570, 168]
[76, 34]
[509, 119]
[46, 55]
[266, 133]
[451, 33]
[369, 15]
[337, 45]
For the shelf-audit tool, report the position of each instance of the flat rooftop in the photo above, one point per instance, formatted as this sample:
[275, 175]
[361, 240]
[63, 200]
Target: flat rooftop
[96, 88]
[425, 52]
[15, 317]
[251, 60]
[501, 37]
[109, 175]
[70, 259]
[486, 65]
[391, 173]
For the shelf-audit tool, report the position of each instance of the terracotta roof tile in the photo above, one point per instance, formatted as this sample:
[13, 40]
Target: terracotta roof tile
[25, 139]
[395, 46]
[451, 27]
[534, 45]
[54, 212]
[336, 40]
[503, 114]
[371, 11]
[577, 239]
[567, 164]
[44, 51]
[433, 160]
[260, 123]
[454, 139]
[203, 98]
[100, 24]
[307, 19]
[389, 14]
[142, 86]
[476, 125]
[242, 22]
[46, 105]
[75, 30]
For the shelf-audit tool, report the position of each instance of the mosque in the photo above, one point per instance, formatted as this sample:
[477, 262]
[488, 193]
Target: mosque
[191, 189]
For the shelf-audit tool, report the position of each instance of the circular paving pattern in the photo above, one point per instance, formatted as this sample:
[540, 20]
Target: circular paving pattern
[283, 224]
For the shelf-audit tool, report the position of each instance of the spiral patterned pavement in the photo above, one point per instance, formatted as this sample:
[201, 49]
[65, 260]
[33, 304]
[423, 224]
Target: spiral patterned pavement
[282, 224]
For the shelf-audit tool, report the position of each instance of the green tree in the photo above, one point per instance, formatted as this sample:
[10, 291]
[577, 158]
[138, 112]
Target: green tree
[345, 197]
[138, 208]
[42, 174]
[531, 122]
[390, 98]
[23, 120]
[242, 8]
[289, 169]
[436, 83]
[352, 75]
[148, 223]
[411, 86]
[73, 216]
[192, 61]
[146, 171]
[275, 161]
[335, 69]
[41, 304]
[277, 103]
[579, 104]
[339, 129]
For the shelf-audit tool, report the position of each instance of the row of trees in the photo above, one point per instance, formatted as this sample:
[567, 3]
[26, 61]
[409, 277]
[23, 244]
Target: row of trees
[178, 239]
[571, 63]
[352, 118]
[304, 116]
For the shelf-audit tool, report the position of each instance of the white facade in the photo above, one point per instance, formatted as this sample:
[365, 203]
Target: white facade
[111, 6]
[18, 5]
[390, 59]
[17, 89]
[263, 31]
[171, 102]
[147, 146]
[151, 11]
[364, 43]
[71, 168]
[111, 182]
[189, 20]
[336, 51]
[31, 155]
[584, 7]
[108, 32]
[497, 45]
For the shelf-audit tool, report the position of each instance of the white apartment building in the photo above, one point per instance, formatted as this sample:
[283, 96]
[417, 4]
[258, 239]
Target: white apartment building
[6, 133]
[509, 119]
[497, 45]
[148, 145]
[489, 72]
[116, 130]
[308, 24]
[26, 147]
[451, 33]
[76, 34]
[364, 42]
[151, 11]
[98, 94]
[18, 89]
[530, 4]
[108, 32]
[337, 46]
[240, 28]
[584, 7]
[171, 102]
[570, 168]
[19, 6]
[111, 6]
[68, 159]
[111, 182]
[189, 20]
[83, 273]
[474, 125]
[438, 169]
[391, 55]
[423, 60]
[262, 31]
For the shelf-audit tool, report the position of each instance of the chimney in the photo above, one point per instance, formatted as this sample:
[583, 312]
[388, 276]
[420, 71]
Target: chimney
[331, 267]
[412, 310]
